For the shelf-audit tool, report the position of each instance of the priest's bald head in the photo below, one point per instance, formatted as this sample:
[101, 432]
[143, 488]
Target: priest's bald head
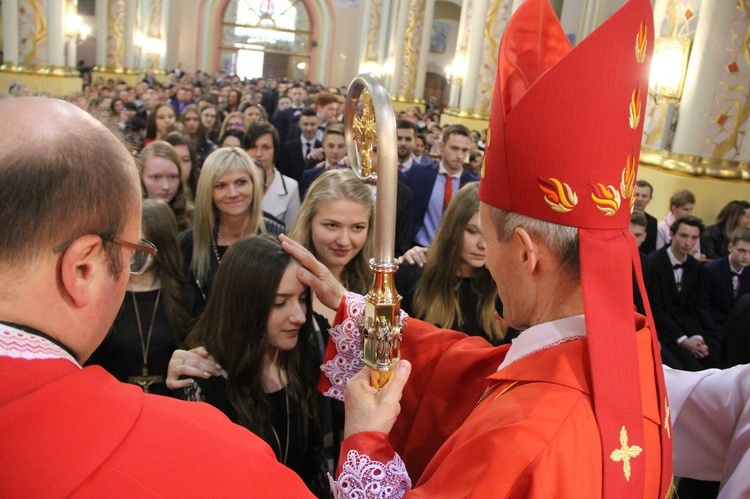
[68, 189]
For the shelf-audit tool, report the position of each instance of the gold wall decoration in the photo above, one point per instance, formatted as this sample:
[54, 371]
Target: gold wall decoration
[498, 14]
[115, 41]
[413, 40]
[373, 35]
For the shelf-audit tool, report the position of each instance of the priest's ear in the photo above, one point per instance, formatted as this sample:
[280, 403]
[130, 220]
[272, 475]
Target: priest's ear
[81, 263]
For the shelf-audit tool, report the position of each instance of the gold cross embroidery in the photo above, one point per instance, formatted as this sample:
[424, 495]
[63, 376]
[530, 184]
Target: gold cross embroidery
[365, 132]
[667, 422]
[625, 453]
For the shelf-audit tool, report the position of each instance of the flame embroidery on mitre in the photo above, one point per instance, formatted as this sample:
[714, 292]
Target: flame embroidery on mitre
[627, 181]
[635, 108]
[607, 198]
[641, 42]
[558, 195]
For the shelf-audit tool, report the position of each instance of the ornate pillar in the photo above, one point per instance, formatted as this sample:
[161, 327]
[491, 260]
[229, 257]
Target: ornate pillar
[131, 12]
[480, 29]
[154, 28]
[713, 112]
[115, 36]
[34, 47]
[10, 34]
[32, 24]
[408, 70]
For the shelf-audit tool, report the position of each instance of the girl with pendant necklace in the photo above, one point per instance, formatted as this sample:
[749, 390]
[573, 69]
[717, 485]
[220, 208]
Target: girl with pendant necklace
[152, 321]
[257, 325]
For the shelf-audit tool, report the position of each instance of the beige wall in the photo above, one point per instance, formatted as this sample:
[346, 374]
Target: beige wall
[710, 194]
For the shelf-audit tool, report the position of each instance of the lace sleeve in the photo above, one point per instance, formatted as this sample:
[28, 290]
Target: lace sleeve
[361, 477]
[192, 393]
[345, 336]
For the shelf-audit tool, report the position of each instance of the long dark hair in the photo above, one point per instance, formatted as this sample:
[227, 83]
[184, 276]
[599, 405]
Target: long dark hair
[436, 294]
[160, 227]
[233, 328]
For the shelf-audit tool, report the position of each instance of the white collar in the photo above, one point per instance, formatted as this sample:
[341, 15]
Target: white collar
[443, 170]
[673, 259]
[18, 344]
[543, 336]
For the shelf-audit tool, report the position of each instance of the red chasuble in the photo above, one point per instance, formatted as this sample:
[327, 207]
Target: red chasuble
[534, 435]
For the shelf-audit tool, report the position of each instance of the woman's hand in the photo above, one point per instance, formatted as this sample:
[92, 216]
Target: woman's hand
[191, 363]
[314, 274]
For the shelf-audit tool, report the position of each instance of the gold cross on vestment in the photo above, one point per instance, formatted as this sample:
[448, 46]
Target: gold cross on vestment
[365, 133]
[625, 453]
[667, 422]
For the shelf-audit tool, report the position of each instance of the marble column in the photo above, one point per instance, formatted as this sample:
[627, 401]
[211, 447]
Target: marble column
[10, 33]
[397, 47]
[102, 8]
[71, 42]
[56, 35]
[131, 12]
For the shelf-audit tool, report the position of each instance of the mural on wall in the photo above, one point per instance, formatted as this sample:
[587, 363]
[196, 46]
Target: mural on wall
[681, 19]
[439, 37]
[32, 32]
[728, 120]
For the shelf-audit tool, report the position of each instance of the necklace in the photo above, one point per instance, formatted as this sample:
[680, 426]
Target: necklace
[144, 380]
[276, 435]
[214, 244]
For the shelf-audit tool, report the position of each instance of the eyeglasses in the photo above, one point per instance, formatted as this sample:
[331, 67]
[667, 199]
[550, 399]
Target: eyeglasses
[143, 252]
[235, 125]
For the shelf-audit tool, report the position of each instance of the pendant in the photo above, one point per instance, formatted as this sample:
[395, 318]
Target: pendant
[144, 380]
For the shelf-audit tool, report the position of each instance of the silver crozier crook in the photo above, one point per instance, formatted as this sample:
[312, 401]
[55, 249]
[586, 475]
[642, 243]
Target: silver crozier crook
[376, 126]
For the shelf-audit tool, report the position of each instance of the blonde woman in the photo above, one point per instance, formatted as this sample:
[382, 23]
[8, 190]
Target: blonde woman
[334, 223]
[227, 208]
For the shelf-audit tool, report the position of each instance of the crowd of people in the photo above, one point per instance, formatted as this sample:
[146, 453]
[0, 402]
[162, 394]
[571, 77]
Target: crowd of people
[695, 279]
[220, 307]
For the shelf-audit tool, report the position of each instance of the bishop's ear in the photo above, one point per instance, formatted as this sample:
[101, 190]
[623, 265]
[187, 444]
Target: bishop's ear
[529, 251]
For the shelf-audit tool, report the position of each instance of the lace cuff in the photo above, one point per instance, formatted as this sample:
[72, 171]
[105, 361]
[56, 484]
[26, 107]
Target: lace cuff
[362, 477]
[346, 338]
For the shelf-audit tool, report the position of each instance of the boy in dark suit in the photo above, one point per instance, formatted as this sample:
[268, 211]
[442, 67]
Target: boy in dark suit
[722, 282]
[672, 282]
